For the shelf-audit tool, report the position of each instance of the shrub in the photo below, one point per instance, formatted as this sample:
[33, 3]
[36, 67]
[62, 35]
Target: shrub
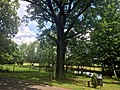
[94, 81]
[1, 68]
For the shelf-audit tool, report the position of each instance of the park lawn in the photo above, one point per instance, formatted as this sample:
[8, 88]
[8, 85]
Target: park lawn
[18, 68]
[43, 77]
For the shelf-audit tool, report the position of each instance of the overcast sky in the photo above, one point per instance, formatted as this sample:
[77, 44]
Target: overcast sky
[26, 34]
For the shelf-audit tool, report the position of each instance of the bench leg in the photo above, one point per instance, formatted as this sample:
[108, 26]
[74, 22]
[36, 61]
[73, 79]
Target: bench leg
[88, 83]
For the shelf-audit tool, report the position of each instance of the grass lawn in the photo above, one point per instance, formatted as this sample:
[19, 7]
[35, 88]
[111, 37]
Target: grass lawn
[34, 75]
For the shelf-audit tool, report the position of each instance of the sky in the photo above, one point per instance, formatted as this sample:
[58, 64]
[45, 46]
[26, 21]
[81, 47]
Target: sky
[26, 34]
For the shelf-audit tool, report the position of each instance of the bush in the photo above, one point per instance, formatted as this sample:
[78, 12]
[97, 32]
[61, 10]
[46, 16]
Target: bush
[1, 68]
[4, 69]
[94, 81]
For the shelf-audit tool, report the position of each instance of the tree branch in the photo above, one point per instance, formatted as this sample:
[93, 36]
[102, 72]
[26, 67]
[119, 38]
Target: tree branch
[35, 3]
[70, 26]
[46, 18]
[61, 7]
[57, 3]
[79, 13]
[71, 36]
[49, 4]
[69, 7]
[70, 10]
[53, 38]
[82, 11]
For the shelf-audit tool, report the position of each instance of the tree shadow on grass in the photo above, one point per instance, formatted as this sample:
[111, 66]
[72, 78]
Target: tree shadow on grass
[27, 75]
[41, 78]
[15, 84]
[7, 83]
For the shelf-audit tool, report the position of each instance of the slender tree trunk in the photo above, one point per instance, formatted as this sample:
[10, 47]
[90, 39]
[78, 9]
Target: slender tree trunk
[39, 67]
[114, 71]
[32, 64]
[113, 67]
[78, 68]
[103, 68]
[81, 70]
[66, 68]
[54, 73]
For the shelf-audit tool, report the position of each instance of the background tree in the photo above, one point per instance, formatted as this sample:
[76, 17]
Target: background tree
[79, 50]
[8, 18]
[7, 52]
[106, 33]
[23, 49]
[8, 27]
[65, 16]
[31, 51]
[46, 51]
[19, 57]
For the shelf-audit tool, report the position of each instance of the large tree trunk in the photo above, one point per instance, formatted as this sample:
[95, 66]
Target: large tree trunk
[60, 61]
[61, 48]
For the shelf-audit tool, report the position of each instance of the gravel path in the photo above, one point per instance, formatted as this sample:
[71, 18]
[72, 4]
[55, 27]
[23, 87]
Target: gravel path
[7, 83]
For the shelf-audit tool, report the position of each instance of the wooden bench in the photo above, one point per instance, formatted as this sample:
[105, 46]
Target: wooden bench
[100, 82]
[82, 82]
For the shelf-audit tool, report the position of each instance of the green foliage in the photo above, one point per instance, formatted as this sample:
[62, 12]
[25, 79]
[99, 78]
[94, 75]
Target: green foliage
[33, 52]
[73, 18]
[8, 18]
[7, 50]
[37, 52]
[47, 51]
[105, 36]
[18, 56]
[65, 17]
[78, 50]
[94, 81]
[8, 29]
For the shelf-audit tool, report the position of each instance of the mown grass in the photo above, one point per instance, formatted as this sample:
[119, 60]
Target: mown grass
[18, 68]
[34, 75]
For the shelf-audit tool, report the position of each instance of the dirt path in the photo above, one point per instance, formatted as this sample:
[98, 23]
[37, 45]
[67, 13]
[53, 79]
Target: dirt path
[7, 83]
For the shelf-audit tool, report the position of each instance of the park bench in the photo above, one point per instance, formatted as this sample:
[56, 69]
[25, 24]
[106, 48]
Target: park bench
[100, 82]
[82, 82]
[87, 82]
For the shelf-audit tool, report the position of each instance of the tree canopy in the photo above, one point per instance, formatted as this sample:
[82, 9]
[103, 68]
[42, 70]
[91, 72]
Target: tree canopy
[8, 17]
[72, 19]
[106, 34]
[8, 26]
[66, 17]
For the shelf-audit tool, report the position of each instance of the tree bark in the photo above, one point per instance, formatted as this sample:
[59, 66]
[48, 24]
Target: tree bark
[103, 68]
[61, 48]
[60, 62]
[78, 69]
[114, 71]
[81, 70]
[66, 68]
